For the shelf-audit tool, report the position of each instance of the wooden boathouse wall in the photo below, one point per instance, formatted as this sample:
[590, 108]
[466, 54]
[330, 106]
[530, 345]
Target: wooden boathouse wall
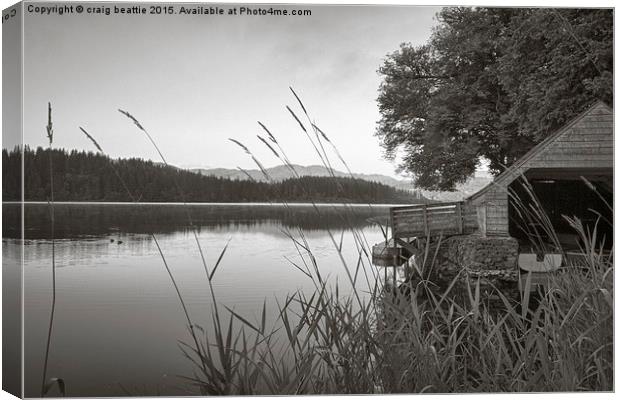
[583, 147]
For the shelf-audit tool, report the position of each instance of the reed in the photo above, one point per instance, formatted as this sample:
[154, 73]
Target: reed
[383, 339]
[373, 337]
[203, 353]
[45, 384]
[134, 198]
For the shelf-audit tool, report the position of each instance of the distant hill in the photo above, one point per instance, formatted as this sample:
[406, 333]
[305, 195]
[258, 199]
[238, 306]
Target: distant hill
[282, 172]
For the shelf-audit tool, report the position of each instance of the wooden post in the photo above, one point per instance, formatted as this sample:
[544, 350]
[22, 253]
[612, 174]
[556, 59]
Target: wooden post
[425, 214]
[394, 277]
[393, 239]
[459, 218]
[385, 276]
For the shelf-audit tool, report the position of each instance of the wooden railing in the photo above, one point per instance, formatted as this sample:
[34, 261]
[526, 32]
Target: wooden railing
[422, 220]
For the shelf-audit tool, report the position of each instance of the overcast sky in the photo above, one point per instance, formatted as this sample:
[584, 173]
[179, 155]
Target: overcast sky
[195, 81]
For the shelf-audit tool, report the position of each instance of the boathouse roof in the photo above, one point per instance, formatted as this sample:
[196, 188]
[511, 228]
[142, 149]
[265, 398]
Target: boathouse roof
[584, 142]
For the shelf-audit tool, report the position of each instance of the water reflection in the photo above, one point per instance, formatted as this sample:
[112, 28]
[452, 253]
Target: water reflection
[118, 321]
[84, 220]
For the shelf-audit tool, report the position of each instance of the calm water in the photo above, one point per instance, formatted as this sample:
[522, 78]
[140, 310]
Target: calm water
[118, 320]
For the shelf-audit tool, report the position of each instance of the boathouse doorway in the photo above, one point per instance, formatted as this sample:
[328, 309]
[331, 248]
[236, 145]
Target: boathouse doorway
[586, 194]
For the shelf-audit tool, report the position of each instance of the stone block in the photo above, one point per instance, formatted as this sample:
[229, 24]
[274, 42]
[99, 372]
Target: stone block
[473, 258]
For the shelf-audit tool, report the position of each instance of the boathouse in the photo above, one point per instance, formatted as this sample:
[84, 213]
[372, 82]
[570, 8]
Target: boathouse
[558, 171]
[570, 173]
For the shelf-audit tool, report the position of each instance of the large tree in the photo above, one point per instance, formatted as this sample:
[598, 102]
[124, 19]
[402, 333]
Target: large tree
[489, 84]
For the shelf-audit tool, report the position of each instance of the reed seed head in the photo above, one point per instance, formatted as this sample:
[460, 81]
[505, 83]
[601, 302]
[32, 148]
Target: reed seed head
[92, 139]
[50, 130]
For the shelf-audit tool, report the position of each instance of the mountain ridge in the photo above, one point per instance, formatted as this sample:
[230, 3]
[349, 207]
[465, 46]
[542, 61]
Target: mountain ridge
[283, 172]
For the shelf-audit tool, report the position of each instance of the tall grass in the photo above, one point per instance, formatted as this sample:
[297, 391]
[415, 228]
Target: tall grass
[134, 198]
[398, 343]
[371, 337]
[45, 384]
[382, 339]
[203, 354]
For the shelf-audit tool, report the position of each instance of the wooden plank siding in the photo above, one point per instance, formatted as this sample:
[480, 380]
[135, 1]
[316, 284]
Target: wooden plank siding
[433, 220]
[496, 211]
[586, 143]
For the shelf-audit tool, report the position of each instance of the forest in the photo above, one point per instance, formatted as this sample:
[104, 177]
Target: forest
[88, 176]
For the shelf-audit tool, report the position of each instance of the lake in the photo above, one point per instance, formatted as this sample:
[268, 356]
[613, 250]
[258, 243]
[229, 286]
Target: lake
[118, 321]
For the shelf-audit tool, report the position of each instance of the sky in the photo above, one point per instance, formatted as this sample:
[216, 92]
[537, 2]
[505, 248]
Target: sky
[195, 81]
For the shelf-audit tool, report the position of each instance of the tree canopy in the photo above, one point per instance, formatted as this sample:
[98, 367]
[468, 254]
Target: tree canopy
[488, 85]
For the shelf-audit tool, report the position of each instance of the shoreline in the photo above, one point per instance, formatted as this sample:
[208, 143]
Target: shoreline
[122, 203]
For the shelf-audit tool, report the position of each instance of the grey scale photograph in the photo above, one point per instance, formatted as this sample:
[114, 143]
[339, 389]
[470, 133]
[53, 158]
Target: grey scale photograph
[244, 199]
